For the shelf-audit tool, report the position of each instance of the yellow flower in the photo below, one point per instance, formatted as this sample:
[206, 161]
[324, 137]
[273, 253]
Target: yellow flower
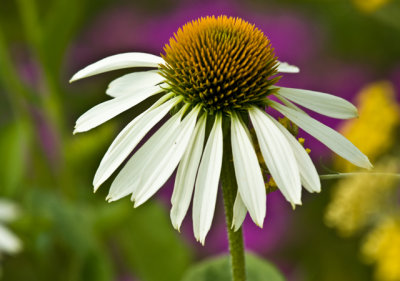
[369, 6]
[366, 198]
[373, 132]
[382, 246]
[359, 198]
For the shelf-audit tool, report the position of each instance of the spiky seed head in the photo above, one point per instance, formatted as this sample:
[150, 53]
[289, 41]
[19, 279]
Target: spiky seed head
[222, 63]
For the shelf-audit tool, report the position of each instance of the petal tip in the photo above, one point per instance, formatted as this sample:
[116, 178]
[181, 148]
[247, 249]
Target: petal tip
[175, 224]
[295, 203]
[138, 202]
[295, 69]
[76, 77]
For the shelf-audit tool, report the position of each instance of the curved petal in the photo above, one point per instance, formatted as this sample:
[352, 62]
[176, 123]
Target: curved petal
[205, 194]
[128, 138]
[332, 139]
[248, 172]
[132, 82]
[287, 68]
[239, 212]
[127, 180]
[186, 174]
[105, 111]
[119, 61]
[159, 167]
[322, 103]
[308, 173]
[278, 156]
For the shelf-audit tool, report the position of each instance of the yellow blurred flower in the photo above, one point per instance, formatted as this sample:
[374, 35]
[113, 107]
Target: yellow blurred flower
[382, 246]
[373, 132]
[369, 6]
[359, 198]
[366, 199]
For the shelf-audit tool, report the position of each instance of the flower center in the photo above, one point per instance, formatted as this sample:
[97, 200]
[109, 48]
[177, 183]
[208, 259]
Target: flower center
[221, 63]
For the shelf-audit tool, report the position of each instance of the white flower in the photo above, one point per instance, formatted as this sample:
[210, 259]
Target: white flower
[201, 87]
[9, 243]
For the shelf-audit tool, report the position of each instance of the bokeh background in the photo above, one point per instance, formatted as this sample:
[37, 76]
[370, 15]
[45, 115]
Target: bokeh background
[350, 231]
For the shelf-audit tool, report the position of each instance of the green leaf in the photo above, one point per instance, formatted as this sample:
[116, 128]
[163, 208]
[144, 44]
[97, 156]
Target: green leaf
[219, 269]
[149, 246]
[13, 139]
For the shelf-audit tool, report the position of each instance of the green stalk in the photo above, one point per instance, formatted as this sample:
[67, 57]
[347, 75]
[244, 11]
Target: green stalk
[229, 190]
[346, 175]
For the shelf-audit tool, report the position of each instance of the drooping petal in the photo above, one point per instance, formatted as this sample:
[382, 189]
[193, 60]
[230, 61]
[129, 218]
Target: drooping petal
[127, 180]
[119, 61]
[205, 194]
[278, 156]
[159, 167]
[9, 243]
[186, 174]
[284, 67]
[128, 138]
[239, 212]
[130, 83]
[308, 173]
[322, 103]
[105, 111]
[248, 172]
[332, 139]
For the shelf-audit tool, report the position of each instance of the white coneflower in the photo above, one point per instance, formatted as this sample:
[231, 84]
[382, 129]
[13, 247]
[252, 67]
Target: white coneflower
[214, 69]
[9, 243]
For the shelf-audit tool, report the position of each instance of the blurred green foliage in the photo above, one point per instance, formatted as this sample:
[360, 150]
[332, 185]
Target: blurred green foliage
[219, 269]
[68, 233]
[371, 38]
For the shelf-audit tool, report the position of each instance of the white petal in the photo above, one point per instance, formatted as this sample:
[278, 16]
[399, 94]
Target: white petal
[288, 103]
[8, 211]
[308, 174]
[127, 180]
[278, 156]
[248, 172]
[127, 140]
[9, 243]
[332, 139]
[239, 212]
[165, 158]
[205, 194]
[287, 68]
[111, 108]
[132, 82]
[322, 103]
[186, 174]
[119, 61]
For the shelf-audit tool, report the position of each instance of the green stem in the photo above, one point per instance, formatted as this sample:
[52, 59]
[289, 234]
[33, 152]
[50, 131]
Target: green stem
[345, 175]
[229, 190]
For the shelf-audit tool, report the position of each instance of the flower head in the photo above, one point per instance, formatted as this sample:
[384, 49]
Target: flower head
[223, 64]
[214, 69]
